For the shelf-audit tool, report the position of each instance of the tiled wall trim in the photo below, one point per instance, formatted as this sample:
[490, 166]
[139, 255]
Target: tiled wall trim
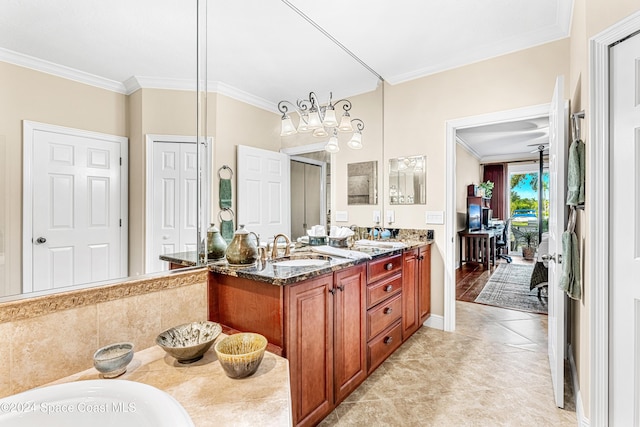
[39, 306]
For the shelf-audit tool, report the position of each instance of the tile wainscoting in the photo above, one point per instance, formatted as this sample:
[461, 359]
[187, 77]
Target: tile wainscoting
[49, 337]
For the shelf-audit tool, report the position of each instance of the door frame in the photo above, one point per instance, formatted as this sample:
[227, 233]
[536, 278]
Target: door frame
[598, 196]
[206, 182]
[452, 127]
[323, 183]
[295, 152]
[29, 127]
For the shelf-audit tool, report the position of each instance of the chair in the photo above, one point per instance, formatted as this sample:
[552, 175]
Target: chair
[502, 243]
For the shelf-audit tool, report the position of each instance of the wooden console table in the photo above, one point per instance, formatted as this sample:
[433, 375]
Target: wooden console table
[480, 246]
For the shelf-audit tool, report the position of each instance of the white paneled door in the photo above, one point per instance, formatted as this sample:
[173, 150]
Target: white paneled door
[624, 291]
[74, 207]
[172, 216]
[264, 195]
[557, 221]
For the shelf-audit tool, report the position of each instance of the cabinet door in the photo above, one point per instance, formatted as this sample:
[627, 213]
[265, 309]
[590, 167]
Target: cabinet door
[349, 325]
[309, 337]
[410, 320]
[424, 283]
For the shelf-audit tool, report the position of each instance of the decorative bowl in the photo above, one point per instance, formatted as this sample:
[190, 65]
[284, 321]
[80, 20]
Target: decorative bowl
[112, 360]
[240, 354]
[189, 342]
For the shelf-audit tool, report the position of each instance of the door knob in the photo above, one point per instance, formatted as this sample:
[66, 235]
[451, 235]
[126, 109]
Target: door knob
[557, 258]
[40, 240]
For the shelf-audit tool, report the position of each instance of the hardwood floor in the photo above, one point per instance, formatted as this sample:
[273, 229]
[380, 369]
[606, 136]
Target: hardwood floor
[471, 278]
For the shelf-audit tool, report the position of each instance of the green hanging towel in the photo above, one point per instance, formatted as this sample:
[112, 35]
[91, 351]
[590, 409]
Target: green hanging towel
[227, 230]
[225, 188]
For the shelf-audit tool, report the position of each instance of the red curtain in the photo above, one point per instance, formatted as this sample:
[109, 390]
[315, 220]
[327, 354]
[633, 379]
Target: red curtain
[495, 173]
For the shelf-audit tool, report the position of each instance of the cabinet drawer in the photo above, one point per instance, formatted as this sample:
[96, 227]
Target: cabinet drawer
[379, 291]
[380, 317]
[383, 345]
[384, 267]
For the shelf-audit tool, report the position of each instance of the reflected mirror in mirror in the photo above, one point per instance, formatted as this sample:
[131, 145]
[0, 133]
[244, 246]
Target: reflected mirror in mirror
[362, 183]
[407, 181]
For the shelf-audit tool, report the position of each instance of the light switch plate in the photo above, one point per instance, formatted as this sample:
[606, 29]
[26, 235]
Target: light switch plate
[342, 216]
[434, 217]
[376, 217]
[391, 216]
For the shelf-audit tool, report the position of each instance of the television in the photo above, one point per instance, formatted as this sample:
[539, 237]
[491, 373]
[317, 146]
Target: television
[474, 217]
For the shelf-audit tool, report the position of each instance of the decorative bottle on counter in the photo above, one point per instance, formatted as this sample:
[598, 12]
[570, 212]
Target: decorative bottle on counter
[216, 246]
[242, 250]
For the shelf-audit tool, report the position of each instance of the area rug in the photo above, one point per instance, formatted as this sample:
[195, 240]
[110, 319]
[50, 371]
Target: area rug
[508, 287]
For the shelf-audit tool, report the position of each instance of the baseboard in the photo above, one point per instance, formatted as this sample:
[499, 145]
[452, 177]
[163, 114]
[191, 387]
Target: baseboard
[435, 322]
[580, 417]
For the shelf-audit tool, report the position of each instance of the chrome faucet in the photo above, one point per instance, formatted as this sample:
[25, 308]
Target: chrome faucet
[373, 234]
[356, 231]
[287, 249]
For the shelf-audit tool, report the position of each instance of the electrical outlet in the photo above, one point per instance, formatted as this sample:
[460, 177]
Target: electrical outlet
[376, 217]
[429, 234]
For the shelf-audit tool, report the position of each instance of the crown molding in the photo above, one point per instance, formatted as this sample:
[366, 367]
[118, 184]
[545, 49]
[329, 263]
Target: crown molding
[242, 96]
[47, 67]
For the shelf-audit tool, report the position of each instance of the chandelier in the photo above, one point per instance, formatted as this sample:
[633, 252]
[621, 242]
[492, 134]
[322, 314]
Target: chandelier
[320, 120]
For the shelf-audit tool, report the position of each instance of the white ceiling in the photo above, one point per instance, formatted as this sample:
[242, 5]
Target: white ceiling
[506, 141]
[264, 51]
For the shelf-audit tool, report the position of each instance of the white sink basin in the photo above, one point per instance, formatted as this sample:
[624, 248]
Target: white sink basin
[302, 262]
[95, 403]
[380, 244]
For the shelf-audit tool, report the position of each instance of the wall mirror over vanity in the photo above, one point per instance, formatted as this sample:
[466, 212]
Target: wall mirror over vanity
[362, 183]
[407, 180]
[146, 94]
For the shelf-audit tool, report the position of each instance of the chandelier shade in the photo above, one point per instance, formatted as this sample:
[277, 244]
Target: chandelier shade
[322, 120]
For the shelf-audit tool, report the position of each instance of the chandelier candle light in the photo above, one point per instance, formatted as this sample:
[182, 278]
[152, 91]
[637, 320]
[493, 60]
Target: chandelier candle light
[317, 119]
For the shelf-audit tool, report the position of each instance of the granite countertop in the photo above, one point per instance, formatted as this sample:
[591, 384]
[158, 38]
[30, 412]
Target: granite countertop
[270, 272]
[207, 394]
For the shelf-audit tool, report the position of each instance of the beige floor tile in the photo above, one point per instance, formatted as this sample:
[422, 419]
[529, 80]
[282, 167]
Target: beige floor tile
[492, 371]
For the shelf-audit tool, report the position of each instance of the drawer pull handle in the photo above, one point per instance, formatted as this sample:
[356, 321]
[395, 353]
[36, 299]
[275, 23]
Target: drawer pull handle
[388, 340]
[388, 288]
[388, 266]
[388, 310]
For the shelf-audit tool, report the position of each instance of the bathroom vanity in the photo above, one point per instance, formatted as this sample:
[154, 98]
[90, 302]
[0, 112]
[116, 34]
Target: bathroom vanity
[335, 323]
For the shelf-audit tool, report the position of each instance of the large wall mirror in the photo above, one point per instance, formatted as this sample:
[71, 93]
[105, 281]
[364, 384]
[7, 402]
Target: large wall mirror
[83, 91]
[129, 70]
[407, 181]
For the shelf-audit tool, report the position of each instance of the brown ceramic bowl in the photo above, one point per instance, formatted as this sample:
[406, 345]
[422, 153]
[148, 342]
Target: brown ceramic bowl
[240, 354]
[189, 342]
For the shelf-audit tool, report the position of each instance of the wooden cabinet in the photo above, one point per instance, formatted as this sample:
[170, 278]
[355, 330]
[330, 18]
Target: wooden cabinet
[416, 289]
[309, 310]
[325, 341]
[349, 327]
[424, 283]
[384, 309]
[334, 329]
[410, 318]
